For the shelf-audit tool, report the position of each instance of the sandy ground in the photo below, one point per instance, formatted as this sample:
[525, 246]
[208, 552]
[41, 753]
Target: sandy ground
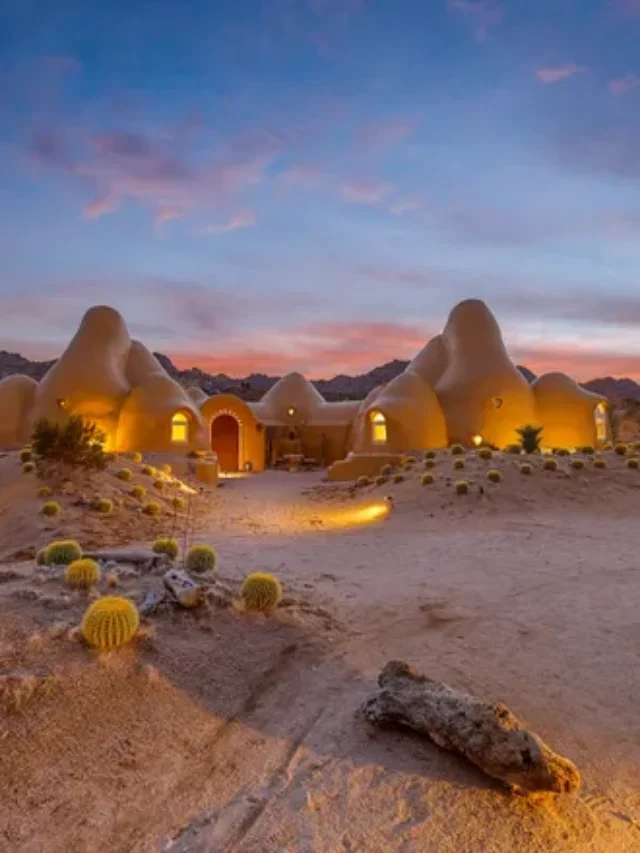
[230, 733]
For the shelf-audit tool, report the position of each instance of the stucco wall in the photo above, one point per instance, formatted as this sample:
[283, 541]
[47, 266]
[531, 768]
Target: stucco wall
[565, 411]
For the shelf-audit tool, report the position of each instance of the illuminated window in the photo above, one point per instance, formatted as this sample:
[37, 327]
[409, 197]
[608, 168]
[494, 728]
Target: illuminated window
[378, 428]
[179, 428]
[291, 411]
[601, 422]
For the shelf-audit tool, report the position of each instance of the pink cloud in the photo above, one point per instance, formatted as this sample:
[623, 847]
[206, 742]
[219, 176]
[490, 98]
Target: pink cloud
[562, 72]
[107, 203]
[242, 219]
[384, 134]
[365, 192]
[624, 84]
[483, 15]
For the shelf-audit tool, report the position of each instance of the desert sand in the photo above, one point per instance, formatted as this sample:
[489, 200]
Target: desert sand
[229, 732]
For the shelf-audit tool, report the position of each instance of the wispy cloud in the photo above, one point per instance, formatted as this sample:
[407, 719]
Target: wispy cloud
[482, 15]
[407, 205]
[553, 75]
[624, 84]
[242, 219]
[384, 134]
[365, 191]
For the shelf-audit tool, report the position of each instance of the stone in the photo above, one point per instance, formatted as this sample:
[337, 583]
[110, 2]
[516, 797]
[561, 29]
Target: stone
[487, 734]
[152, 600]
[185, 590]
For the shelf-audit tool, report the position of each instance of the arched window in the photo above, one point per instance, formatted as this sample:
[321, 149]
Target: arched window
[602, 430]
[378, 428]
[179, 428]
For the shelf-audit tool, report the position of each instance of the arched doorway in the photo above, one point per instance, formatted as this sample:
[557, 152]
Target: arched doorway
[225, 441]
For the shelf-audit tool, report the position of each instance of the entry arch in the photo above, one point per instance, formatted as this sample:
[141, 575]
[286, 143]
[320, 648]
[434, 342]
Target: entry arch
[225, 436]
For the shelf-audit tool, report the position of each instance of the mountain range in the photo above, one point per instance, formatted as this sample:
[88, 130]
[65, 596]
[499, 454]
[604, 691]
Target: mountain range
[341, 387]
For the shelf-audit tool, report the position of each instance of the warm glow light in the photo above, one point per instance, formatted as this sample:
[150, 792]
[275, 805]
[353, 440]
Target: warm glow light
[291, 411]
[378, 428]
[357, 516]
[477, 440]
[179, 428]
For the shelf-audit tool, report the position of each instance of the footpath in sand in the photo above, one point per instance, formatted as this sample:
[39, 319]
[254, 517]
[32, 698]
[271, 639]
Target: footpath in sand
[228, 733]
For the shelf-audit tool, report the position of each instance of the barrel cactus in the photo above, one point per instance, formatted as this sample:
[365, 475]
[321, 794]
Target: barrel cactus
[51, 508]
[550, 465]
[166, 546]
[178, 503]
[381, 480]
[430, 454]
[41, 557]
[136, 457]
[261, 591]
[110, 622]
[25, 454]
[577, 464]
[125, 474]
[82, 573]
[45, 492]
[427, 479]
[485, 454]
[200, 559]
[598, 462]
[526, 469]
[62, 553]
[621, 449]
[457, 450]
[103, 505]
[458, 464]
[494, 476]
[398, 478]
[514, 449]
[386, 471]
[28, 468]
[148, 470]
[633, 462]
[363, 481]
[152, 508]
[138, 492]
[429, 464]
[166, 469]
[461, 487]
[561, 451]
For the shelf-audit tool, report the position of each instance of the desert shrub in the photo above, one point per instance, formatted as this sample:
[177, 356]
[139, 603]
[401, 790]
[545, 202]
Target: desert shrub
[427, 479]
[530, 438]
[82, 573]
[525, 468]
[200, 559]
[633, 462]
[25, 454]
[461, 487]
[577, 464]
[60, 449]
[136, 457]
[45, 492]
[148, 470]
[62, 553]
[561, 451]
[166, 469]
[261, 591]
[457, 450]
[152, 508]
[28, 467]
[110, 622]
[494, 476]
[178, 503]
[599, 463]
[458, 464]
[621, 449]
[386, 471]
[125, 474]
[515, 449]
[588, 450]
[398, 478]
[430, 454]
[138, 492]
[103, 505]
[550, 465]
[166, 546]
[41, 557]
[51, 508]
[363, 481]
[485, 453]
[429, 463]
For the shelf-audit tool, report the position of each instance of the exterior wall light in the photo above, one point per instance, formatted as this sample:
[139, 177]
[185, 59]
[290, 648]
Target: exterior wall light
[477, 440]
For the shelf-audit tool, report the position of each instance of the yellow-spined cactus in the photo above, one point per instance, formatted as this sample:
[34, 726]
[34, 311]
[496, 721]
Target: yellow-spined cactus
[261, 591]
[138, 492]
[398, 478]
[461, 487]
[458, 464]
[485, 454]
[386, 471]
[159, 485]
[430, 454]
[82, 573]
[110, 622]
[166, 546]
[494, 476]
[40, 557]
[577, 464]
[178, 503]
[587, 450]
[408, 461]
[50, 509]
[103, 505]
[621, 449]
[363, 481]
[562, 451]
[166, 469]
[148, 470]
[381, 480]
[200, 559]
[25, 454]
[28, 468]
[633, 462]
[136, 457]
[526, 469]
[457, 450]
[45, 492]
[598, 462]
[427, 479]
[429, 464]
[62, 553]
[125, 474]
[550, 465]
[152, 508]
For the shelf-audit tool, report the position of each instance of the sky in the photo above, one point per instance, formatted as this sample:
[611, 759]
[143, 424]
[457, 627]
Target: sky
[276, 185]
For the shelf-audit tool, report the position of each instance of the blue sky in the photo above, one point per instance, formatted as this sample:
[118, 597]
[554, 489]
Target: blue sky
[267, 185]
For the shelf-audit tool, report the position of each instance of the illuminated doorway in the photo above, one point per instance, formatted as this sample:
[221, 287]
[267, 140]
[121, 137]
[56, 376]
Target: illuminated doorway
[225, 442]
[378, 428]
[602, 424]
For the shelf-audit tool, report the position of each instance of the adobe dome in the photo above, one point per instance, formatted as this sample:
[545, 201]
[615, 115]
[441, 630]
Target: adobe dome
[17, 393]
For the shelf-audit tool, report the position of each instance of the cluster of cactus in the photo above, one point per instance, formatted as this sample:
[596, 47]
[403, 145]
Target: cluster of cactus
[525, 468]
[427, 479]
[363, 481]
[28, 468]
[261, 591]
[458, 464]
[136, 457]
[577, 464]
[457, 450]
[45, 492]
[25, 454]
[62, 553]
[461, 487]
[485, 453]
[494, 476]
[82, 573]
[167, 546]
[103, 505]
[152, 508]
[599, 462]
[110, 622]
[51, 508]
[200, 559]
[550, 465]
[125, 474]
[381, 480]
[633, 462]
[138, 492]
[621, 449]
[178, 503]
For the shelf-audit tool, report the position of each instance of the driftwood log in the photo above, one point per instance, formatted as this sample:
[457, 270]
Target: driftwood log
[145, 557]
[489, 735]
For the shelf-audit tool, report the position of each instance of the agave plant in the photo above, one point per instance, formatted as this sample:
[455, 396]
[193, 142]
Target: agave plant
[530, 437]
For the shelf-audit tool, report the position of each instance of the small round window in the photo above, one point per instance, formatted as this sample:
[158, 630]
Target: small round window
[497, 402]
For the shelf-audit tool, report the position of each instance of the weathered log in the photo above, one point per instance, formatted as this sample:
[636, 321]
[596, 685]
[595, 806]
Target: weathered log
[186, 591]
[122, 555]
[489, 735]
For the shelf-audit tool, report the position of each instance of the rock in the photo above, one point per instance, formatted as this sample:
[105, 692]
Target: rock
[151, 601]
[487, 734]
[186, 591]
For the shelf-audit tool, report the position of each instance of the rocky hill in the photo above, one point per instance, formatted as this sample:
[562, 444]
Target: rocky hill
[341, 387]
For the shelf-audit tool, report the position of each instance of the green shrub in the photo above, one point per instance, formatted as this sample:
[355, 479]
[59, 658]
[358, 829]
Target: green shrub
[138, 492]
[530, 438]
[25, 454]
[45, 492]
[363, 481]
[70, 445]
[550, 465]
[485, 453]
[598, 462]
[136, 457]
[386, 471]
[152, 508]
[525, 468]
[261, 591]
[125, 474]
[458, 464]
[103, 505]
[461, 487]
[577, 464]
[28, 467]
[166, 546]
[494, 476]
[427, 479]
[514, 449]
[178, 503]
[621, 449]
[148, 470]
[200, 559]
[398, 478]
[457, 450]
[429, 463]
[51, 508]
[430, 454]
[633, 462]
[62, 553]
[82, 573]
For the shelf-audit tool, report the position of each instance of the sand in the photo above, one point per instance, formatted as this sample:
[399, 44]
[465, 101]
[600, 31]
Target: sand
[234, 733]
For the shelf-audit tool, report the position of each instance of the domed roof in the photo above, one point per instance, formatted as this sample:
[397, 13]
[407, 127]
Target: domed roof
[291, 392]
